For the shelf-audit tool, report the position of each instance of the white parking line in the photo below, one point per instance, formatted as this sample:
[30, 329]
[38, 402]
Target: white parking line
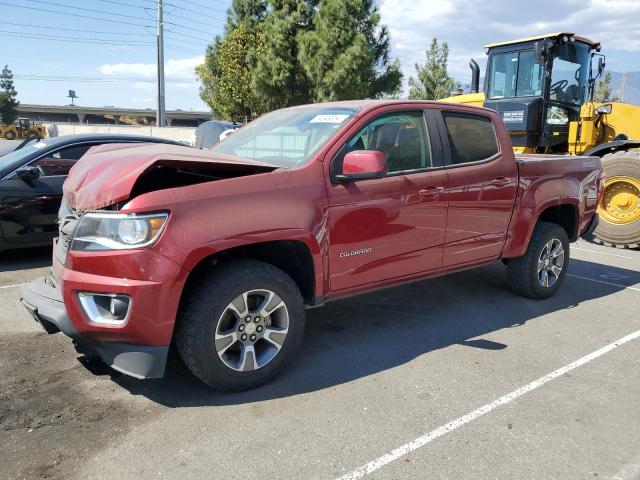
[601, 253]
[602, 281]
[469, 417]
[9, 286]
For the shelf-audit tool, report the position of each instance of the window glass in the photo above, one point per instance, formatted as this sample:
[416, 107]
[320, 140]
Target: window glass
[515, 74]
[60, 162]
[402, 137]
[570, 74]
[472, 138]
[288, 137]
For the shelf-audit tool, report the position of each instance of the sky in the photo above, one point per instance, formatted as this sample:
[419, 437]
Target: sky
[109, 59]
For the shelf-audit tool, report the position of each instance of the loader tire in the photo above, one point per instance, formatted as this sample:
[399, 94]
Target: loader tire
[619, 209]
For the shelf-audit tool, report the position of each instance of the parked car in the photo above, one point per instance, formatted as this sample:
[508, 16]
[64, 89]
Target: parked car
[210, 133]
[220, 251]
[31, 181]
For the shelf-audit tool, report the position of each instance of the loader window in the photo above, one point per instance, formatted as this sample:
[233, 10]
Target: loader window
[515, 74]
[570, 74]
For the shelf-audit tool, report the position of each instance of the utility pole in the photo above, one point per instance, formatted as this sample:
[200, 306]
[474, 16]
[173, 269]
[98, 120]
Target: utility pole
[161, 119]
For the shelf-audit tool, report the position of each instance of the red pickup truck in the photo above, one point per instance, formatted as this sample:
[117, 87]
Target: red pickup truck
[220, 251]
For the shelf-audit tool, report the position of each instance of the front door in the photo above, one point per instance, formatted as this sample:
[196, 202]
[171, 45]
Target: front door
[29, 208]
[393, 226]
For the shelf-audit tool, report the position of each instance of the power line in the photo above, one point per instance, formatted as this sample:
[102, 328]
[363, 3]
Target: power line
[191, 20]
[88, 10]
[74, 29]
[206, 7]
[76, 39]
[75, 15]
[219, 16]
[124, 4]
[63, 78]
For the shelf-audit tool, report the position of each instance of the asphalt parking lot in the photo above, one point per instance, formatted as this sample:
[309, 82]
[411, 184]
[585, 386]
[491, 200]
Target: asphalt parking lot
[447, 378]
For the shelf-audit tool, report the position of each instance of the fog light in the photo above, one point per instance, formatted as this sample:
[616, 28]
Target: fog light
[105, 308]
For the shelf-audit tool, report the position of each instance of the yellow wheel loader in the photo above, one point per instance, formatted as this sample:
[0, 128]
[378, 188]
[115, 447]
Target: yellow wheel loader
[23, 128]
[543, 87]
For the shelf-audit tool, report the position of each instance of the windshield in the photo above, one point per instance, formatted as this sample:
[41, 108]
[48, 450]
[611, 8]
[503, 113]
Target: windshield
[286, 138]
[515, 74]
[8, 161]
[570, 74]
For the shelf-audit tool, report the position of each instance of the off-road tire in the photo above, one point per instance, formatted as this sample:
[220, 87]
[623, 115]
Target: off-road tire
[208, 297]
[620, 236]
[522, 272]
[10, 135]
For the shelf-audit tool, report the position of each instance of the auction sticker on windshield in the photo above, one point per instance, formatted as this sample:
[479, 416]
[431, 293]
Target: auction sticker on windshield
[329, 118]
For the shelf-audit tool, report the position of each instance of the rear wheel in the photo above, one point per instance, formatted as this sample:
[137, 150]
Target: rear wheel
[9, 135]
[240, 325]
[619, 208]
[541, 270]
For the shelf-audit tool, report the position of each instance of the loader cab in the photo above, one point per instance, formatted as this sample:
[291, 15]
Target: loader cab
[538, 85]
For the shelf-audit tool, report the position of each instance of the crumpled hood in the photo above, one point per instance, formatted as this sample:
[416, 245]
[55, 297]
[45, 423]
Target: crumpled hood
[107, 174]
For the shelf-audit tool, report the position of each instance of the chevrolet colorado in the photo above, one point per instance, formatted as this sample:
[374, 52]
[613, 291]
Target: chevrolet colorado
[220, 251]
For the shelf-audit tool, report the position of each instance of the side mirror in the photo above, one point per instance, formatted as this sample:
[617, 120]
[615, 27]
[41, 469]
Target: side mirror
[601, 65]
[363, 165]
[28, 174]
[604, 109]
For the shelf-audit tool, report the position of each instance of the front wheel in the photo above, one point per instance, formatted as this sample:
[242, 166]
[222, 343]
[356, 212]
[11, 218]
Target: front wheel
[240, 325]
[541, 270]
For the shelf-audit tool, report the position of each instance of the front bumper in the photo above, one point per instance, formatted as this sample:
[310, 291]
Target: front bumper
[45, 304]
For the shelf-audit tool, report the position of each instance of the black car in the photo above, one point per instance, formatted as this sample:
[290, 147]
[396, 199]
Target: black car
[31, 181]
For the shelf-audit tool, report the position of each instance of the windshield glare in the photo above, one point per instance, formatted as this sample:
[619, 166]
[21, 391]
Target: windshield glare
[14, 158]
[570, 74]
[515, 74]
[286, 138]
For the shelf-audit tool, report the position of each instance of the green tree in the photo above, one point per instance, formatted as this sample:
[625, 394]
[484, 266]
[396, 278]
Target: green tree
[346, 53]
[227, 76]
[433, 82]
[249, 13]
[603, 91]
[8, 94]
[279, 76]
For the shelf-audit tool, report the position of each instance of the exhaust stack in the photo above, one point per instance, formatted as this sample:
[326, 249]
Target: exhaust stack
[475, 76]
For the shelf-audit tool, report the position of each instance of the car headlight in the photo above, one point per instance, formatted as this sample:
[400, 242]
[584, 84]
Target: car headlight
[117, 231]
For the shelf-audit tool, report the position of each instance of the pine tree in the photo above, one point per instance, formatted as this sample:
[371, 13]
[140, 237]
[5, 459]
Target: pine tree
[279, 75]
[346, 54]
[603, 91]
[8, 94]
[433, 82]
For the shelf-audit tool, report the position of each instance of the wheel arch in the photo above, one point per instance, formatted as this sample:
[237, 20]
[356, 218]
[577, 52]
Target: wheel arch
[563, 212]
[294, 256]
[612, 147]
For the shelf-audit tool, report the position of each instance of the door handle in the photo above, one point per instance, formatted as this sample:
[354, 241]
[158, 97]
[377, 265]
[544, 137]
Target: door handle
[431, 192]
[500, 181]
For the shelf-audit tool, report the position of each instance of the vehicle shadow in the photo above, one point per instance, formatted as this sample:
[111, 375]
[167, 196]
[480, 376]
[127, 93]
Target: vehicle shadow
[25, 258]
[361, 336]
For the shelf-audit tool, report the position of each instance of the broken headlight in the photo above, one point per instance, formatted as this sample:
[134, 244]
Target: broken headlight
[117, 231]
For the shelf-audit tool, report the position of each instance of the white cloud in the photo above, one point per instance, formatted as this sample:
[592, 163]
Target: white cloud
[467, 25]
[182, 69]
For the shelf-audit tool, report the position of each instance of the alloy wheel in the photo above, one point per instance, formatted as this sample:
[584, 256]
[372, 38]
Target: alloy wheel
[251, 330]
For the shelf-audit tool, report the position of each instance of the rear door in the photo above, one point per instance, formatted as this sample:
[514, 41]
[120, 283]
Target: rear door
[482, 188]
[29, 209]
[393, 226]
